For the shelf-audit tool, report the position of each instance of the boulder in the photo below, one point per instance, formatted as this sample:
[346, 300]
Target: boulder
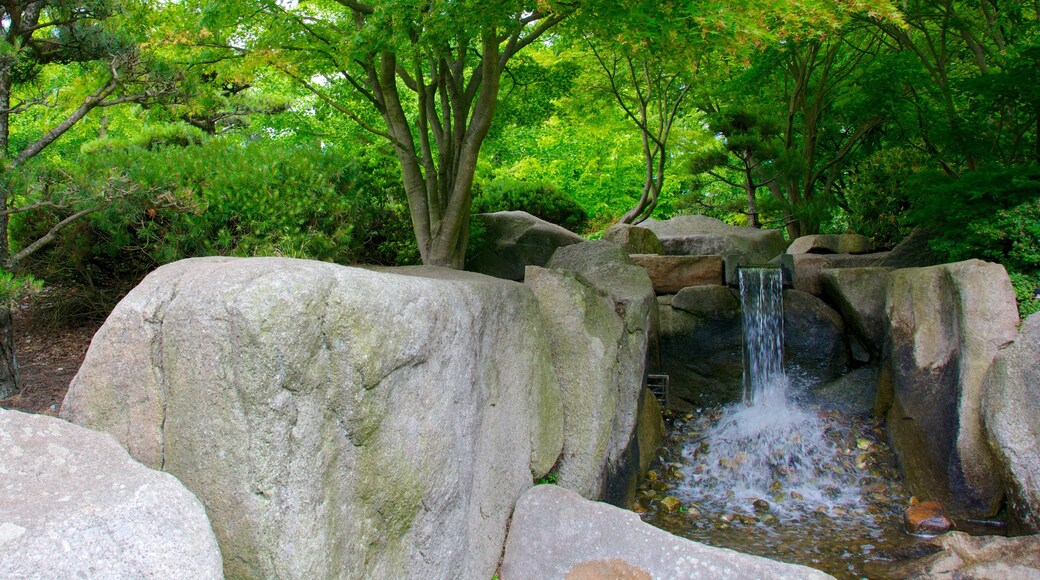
[852, 394]
[73, 504]
[1011, 417]
[609, 271]
[859, 294]
[959, 555]
[700, 344]
[600, 396]
[555, 533]
[913, 252]
[831, 244]
[514, 240]
[945, 325]
[806, 270]
[669, 274]
[334, 421]
[815, 349]
[698, 235]
[634, 239]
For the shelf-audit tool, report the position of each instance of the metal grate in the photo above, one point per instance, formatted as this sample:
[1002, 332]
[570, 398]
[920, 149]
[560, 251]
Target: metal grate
[658, 385]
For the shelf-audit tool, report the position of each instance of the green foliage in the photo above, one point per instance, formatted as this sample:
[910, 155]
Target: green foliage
[224, 197]
[537, 199]
[549, 478]
[15, 288]
[879, 195]
[1026, 288]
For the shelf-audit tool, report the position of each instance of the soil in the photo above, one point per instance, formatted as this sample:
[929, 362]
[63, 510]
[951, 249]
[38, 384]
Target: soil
[48, 355]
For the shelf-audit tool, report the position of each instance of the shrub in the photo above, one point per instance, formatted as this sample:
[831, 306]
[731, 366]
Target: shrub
[537, 199]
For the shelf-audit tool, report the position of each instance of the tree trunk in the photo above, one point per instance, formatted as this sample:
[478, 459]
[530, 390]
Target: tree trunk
[9, 379]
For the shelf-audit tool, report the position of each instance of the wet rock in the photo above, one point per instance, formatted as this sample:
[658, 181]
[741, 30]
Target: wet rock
[514, 240]
[959, 555]
[946, 325]
[554, 530]
[1011, 414]
[927, 518]
[814, 337]
[698, 235]
[831, 244]
[670, 274]
[634, 239]
[853, 393]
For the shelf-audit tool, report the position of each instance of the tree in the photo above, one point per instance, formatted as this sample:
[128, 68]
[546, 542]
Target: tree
[38, 35]
[431, 70]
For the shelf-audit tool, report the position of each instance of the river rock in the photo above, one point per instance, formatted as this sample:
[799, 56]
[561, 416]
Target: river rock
[670, 274]
[514, 240]
[698, 235]
[555, 533]
[927, 518]
[945, 325]
[1011, 415]
[815, 349]
[609, 271]
[73, 504]
[976, 557]
[859, 294]
[831, 244]
[335, 422]
[634, 239]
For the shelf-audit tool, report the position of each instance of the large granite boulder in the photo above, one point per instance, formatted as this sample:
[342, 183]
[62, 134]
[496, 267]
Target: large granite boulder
[859, 294]
[608, 271]
[957, 555]
[599, 379]
[73, 504]
[698, 235]
[335, 422]
[806, 270]
[945, 325]
[701, 343]
[634, 239]
[514, 240]
[831, 244]
[555, 533]
[1011, 415]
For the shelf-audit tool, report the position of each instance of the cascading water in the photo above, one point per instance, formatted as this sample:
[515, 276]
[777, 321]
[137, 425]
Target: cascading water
[767, 451]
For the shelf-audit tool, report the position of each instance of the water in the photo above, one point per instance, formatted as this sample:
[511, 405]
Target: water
[770, 476]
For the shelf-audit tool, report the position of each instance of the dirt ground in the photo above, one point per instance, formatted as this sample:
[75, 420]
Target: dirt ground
[48, 357]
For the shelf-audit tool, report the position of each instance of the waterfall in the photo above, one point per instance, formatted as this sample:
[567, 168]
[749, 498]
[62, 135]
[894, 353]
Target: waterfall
[761, 295]
[767, 448]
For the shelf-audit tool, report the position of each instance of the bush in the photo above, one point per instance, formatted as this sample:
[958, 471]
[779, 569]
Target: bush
[537, 199]
[879, 197]
[222, 197]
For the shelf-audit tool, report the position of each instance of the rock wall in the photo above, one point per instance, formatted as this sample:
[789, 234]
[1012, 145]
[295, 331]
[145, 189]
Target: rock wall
[335, 422]
[946, 323]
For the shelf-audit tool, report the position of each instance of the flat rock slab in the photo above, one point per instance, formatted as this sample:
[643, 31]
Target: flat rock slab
[557, 534]
[831, 244]
[73, 504]
[699, 235]
[670, 274]
[807, 269]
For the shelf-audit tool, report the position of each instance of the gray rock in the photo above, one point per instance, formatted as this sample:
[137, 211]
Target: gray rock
[853, 393]
[670, 274]
[607, 268]
[807, 269]
[977, 557]
[634, 239]
[913, 252]
[831, 244]
[708, 301]
[946, 324]
[514, 240]
[556, 533]
[1011, 416]
[859, 294]
[335, 422]
[698, 235]
[815, 350]
[74, 504]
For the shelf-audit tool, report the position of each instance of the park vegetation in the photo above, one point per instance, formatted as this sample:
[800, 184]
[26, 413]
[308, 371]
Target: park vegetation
[134, 133]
